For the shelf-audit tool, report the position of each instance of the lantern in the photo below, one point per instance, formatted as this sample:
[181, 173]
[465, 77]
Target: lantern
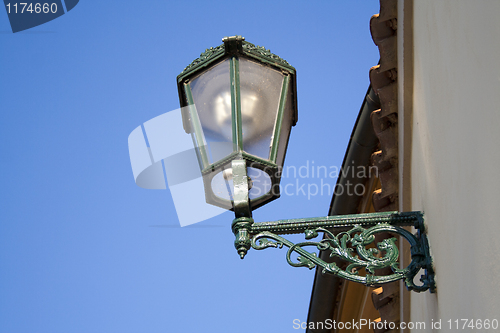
[239, 104]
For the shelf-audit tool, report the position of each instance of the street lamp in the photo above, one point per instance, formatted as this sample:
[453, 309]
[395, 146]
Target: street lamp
[239, 105]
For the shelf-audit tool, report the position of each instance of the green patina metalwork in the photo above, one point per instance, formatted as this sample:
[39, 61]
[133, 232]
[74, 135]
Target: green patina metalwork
[237, 123]
[349, 238]
[264, 54]
[352, 246]
[208, 55]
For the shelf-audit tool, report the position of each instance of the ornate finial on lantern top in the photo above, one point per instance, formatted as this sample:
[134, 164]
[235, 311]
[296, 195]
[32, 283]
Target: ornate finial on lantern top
[233, 44]
[236, 38]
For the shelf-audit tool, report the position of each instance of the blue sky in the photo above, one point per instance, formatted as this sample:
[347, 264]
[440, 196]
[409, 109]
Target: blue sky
[82, 248]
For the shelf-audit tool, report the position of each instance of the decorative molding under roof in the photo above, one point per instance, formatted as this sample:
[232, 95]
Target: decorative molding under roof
[383, 78]
[259, 51]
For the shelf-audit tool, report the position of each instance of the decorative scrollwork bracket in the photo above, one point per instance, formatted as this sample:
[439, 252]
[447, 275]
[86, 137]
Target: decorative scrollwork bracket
[350, 238]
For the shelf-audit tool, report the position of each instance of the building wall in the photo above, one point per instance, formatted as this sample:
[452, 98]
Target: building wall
[455, 156]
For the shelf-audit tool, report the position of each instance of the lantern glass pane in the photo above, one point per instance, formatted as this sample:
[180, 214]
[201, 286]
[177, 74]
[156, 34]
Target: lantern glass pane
[286, 127]
[260, 90]
[211, 92]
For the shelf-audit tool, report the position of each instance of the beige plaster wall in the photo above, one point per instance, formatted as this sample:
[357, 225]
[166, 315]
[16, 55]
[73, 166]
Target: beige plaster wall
[455, 156]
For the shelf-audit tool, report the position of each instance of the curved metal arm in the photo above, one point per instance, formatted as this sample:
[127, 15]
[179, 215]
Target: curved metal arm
[351, 239]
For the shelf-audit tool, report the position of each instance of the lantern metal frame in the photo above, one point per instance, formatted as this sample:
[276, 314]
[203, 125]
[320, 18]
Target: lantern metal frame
[349, 238]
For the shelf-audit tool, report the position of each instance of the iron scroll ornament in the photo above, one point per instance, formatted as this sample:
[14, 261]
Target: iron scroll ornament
[350, 243]
[385, 254]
